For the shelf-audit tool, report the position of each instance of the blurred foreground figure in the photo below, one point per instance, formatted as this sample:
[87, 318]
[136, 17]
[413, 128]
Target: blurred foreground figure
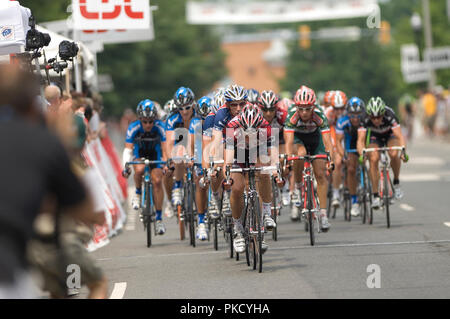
[35, 164]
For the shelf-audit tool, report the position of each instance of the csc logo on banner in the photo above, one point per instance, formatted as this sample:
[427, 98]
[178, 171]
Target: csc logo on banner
[111, 14]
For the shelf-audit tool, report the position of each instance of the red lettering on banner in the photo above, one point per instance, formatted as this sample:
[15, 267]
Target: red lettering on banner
[131, 13]
[85, 13]
[110, 15]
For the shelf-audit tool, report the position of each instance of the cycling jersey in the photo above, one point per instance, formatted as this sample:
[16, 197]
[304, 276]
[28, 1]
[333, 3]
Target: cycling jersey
[150, 149]
[345, 127]
[380, 134]
[308, 133]
[175, 121]
[208, 124]
[223, 116]
[278, 121]
[247, 153]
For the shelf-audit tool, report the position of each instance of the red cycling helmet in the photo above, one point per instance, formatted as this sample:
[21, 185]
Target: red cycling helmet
[305, 96]
[328, 97]
[268, 100]
[251, 116]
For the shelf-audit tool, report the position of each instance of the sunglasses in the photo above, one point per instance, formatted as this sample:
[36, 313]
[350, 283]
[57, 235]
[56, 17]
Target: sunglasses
[376, 117]
[354, 116]
[185, 108]
[241, 104]
[147, 122]
[304, 109]
[269, 110]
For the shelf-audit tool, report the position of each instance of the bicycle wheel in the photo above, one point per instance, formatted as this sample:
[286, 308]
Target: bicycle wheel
[147, 214]
[247, 222]
[310, 207]
[190, 212]
[216, 241]
[347, 205]
[386, 196]
[259, 238]
[329, 195]
[275, 209]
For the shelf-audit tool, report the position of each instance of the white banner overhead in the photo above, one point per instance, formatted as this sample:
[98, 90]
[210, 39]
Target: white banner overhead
[278, 11]
[65, 27]
[111, 14]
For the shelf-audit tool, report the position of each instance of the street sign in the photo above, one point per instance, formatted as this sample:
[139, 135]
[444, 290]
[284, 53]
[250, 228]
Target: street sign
[277, 11]
[111, 14]
[438, 58]
[412, 69]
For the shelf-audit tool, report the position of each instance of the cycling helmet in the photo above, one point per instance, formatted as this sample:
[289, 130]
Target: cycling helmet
[202, 107]
[305, 96]
[253, 96]
[339, 100]
[250, 117]
[147, 109]
[170, 106]
[219, 100]
[268, 100]
[376, 107]
[235, 93]
[184, 97]
[355, 105]
[327, 98]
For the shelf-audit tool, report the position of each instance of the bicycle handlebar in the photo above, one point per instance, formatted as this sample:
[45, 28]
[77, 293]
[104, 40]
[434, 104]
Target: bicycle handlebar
[376, 149]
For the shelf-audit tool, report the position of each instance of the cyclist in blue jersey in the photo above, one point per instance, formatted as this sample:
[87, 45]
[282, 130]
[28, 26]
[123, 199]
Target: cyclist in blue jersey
[177, 134]
[216, 183]
[149, 127]
[202, 108]
[347, 131]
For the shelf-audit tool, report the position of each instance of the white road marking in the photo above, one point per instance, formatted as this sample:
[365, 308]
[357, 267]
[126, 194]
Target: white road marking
[285, 248]
[447, 224]
[420, 177]
[407, 207]
[119, 290]
[427, 161]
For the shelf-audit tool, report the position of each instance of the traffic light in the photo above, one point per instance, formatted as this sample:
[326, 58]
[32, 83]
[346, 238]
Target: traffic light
[385, 33]
[305, 36]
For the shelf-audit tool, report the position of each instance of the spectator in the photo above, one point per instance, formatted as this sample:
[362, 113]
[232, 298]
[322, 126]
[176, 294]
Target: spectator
[429, 103]
[51, 260]
[441, 125]
[37, 156]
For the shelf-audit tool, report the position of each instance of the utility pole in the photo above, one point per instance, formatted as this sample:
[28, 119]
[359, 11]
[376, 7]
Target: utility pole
[428, 39]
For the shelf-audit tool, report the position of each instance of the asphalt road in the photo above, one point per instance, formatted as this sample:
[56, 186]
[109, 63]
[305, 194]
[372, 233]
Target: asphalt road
[412, 258]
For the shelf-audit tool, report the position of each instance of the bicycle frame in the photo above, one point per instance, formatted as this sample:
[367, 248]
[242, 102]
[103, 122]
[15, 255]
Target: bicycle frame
[310, 202]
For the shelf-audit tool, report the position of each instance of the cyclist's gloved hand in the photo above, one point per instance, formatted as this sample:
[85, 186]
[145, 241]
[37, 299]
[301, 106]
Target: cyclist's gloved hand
[361, 159]
[126, 172]
[404, 157]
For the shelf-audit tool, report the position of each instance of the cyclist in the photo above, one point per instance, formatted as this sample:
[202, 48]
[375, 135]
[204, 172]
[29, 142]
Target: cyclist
[244, 134]
[147, 126]
[235, 99]
[269, 103]
[306, 131]
[253, 96]
[216, 187]
[385, 130]
[347, 132]
[202, 108]
[178, 142]
[334, 112]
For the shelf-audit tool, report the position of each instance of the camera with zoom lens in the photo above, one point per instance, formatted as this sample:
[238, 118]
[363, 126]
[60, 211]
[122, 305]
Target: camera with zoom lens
[36, 40]
[68, 50]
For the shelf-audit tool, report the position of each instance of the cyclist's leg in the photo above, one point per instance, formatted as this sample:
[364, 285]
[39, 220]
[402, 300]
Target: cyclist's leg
[352, 182]
[265, 193]
[395, 164]
[200, 195]
[337, 178]
[158, 192]
[374, 158]
[138, 173]
[395, 158]
[237, 205]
